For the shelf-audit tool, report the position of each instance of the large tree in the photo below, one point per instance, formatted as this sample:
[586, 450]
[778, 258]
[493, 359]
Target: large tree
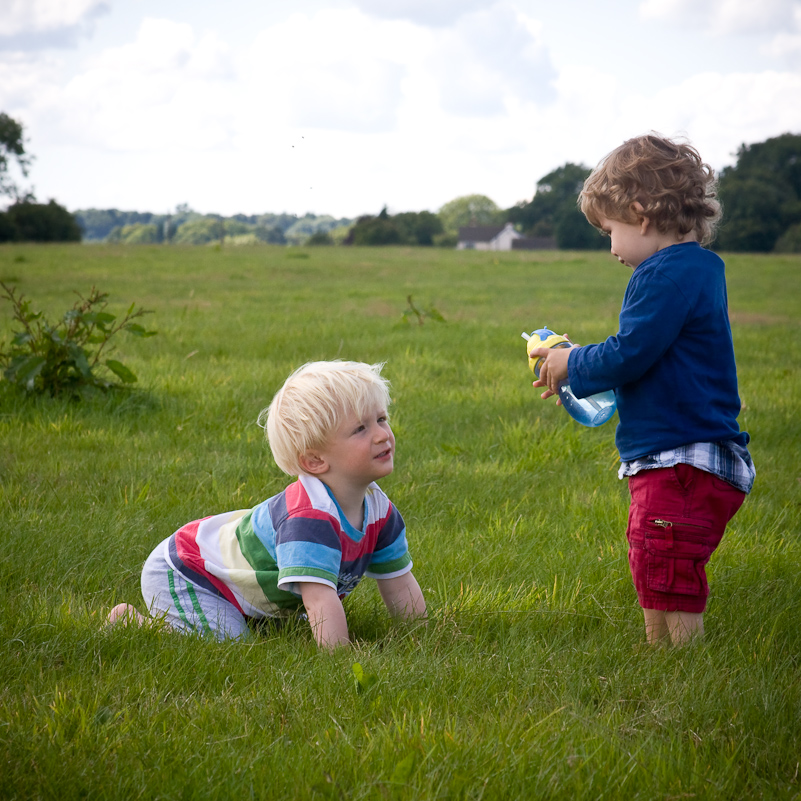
[761, 194]
[553, 212]
[470, 210]
[12, 148]
[25, 220]
[418, 227]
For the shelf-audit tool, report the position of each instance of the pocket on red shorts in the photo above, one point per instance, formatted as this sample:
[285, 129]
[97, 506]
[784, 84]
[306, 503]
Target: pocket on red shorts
[677, 552]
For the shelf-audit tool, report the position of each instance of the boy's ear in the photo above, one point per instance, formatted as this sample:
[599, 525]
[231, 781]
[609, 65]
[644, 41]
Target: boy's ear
[642, 221]
[313, 463]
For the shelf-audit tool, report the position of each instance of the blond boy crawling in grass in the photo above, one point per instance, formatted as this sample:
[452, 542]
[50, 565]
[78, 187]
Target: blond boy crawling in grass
[308, 547]
[672, 367]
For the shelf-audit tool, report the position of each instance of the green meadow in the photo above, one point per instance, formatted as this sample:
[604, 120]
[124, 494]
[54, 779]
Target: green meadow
[532, 678]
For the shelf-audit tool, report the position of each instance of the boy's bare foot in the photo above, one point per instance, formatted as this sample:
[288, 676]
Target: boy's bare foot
[124, 614]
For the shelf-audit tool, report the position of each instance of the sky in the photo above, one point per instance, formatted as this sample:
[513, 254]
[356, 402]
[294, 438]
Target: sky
[342, 107]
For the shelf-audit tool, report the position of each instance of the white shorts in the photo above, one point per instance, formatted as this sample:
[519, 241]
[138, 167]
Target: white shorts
[185, 606]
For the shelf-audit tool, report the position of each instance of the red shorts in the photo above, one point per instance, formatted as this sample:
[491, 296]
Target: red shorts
[676, 520]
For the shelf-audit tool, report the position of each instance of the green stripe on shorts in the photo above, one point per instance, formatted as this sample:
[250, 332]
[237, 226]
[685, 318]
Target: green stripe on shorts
[181, 613]
[196, 606]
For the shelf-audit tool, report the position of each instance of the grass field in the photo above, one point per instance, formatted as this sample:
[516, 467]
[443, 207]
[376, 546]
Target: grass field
[532, 679]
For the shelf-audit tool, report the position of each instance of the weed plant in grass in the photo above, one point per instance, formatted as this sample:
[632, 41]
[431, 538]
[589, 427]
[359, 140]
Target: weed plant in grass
[532, 679]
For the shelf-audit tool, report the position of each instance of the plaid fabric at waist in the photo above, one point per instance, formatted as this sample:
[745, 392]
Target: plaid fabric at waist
[727, 460]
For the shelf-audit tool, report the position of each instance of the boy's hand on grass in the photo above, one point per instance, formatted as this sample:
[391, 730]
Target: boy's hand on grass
[326, 615]
[403, 597]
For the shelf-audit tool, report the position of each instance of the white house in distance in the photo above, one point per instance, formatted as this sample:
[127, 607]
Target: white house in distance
[499, 237]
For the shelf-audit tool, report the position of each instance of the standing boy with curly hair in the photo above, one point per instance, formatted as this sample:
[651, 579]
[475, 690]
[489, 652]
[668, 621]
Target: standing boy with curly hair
[672, 368]
[308, 547]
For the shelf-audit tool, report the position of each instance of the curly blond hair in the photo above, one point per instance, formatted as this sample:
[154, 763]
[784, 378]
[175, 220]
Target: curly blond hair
[676, 188]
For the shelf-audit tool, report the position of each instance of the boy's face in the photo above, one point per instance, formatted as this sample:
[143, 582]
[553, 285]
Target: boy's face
[631, 243]
[361, 450]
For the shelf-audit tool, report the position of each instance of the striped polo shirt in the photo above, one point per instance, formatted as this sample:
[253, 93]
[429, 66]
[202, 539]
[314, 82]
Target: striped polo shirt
[255, 558]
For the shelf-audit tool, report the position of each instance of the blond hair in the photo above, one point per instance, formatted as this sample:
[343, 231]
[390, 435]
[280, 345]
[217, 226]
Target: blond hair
[314, 401]
[677, 190]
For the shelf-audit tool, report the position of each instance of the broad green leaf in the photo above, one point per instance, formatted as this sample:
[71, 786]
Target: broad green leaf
[26, 370]
[99, 318]
[404, 769]
[22, 338]
[78, 356]
[121, 371]
[138, 331]
[364, 680]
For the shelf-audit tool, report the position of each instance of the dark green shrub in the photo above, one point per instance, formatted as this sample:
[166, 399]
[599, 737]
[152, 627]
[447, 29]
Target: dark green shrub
[320, 238]
[41, 222]
[7, 229]
[65, 358]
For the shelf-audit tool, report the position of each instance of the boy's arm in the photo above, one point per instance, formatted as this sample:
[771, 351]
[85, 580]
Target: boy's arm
[403, 597]
[326, 615]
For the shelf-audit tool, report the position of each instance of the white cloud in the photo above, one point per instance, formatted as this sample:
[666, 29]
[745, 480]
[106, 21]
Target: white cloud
[724, 16]
[342, 111]
[490, 57]
[775, 24]
[338, 70]
[23, 80]
[168, 50]
[730, 110]
[31, 24]
[164, 88]
[717, 112]
[423, 12]
[787, 44]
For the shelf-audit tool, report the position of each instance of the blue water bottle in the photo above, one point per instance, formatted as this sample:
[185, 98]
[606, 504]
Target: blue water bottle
[591, 411]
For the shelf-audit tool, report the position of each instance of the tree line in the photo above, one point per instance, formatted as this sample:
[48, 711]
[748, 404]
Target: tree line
[188, 227]
[760, 193]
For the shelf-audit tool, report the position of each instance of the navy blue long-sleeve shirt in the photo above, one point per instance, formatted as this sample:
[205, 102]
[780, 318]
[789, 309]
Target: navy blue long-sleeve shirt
[672, 362]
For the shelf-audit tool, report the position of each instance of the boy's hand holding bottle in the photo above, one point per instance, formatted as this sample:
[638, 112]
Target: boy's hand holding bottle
[548, 354]
[549, 365]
